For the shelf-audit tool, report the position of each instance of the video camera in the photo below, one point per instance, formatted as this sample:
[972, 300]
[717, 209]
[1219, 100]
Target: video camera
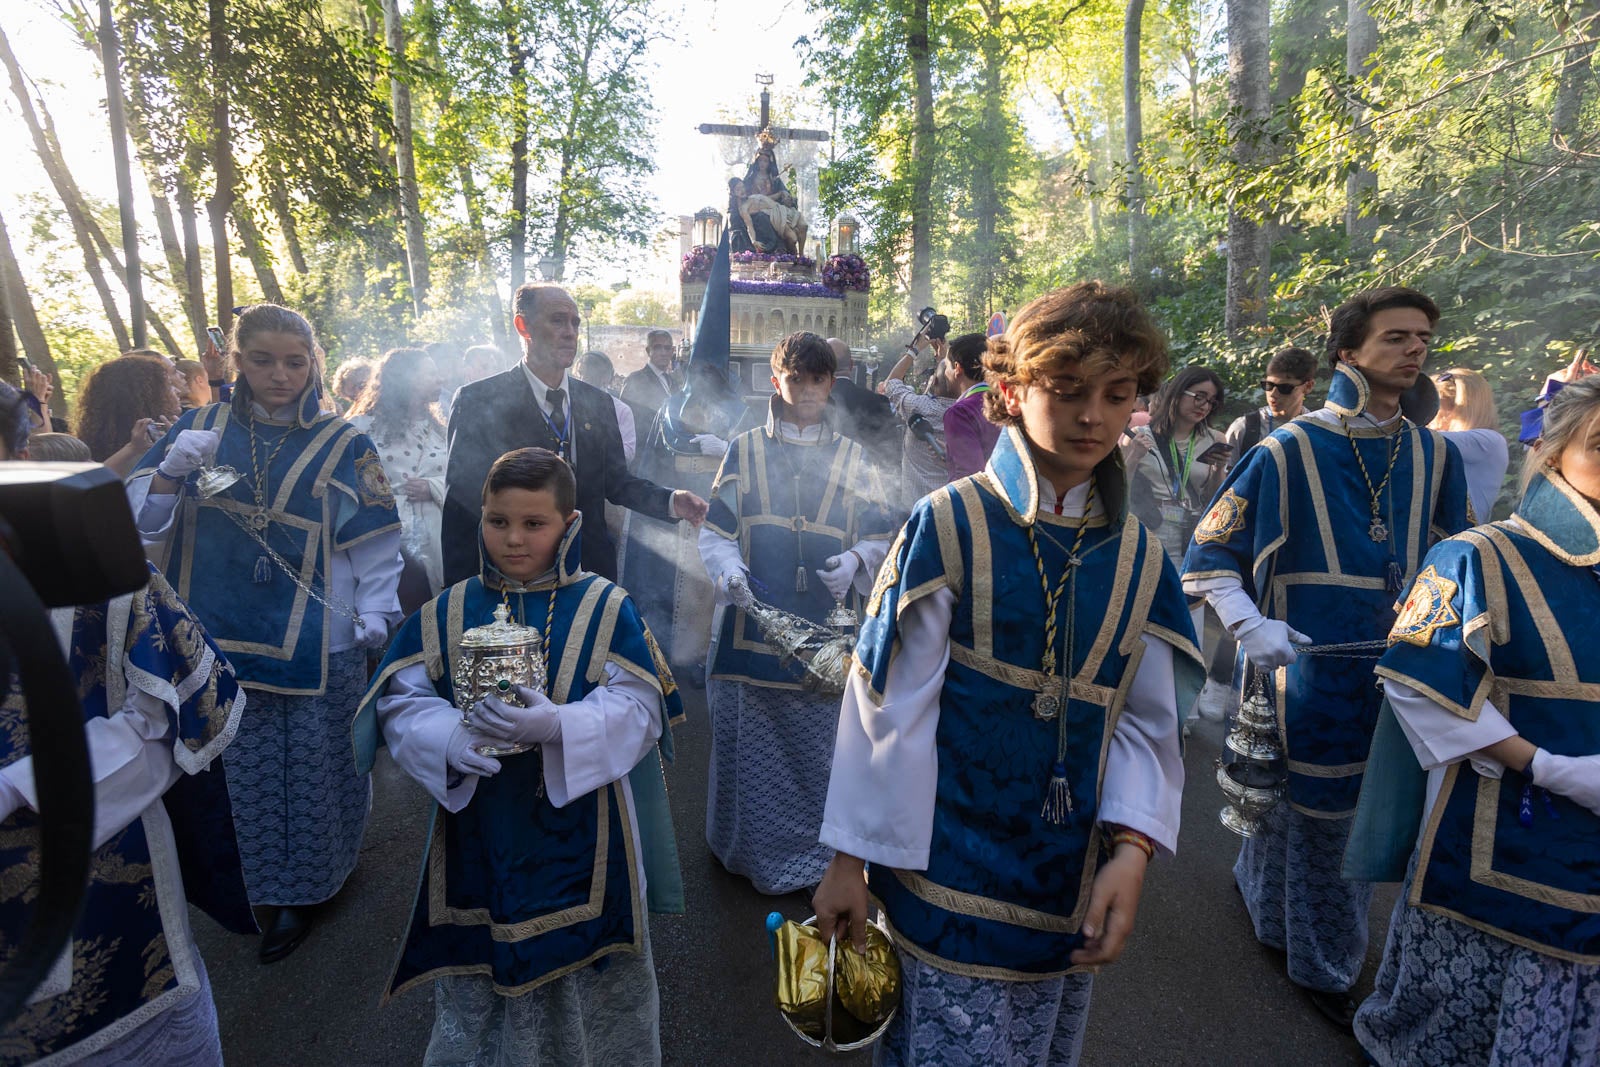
[66, 538]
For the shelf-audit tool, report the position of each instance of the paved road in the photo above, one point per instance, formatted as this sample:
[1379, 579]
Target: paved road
[1193, 988]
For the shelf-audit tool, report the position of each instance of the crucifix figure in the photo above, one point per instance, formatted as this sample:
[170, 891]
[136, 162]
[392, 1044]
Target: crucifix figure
[763, 215]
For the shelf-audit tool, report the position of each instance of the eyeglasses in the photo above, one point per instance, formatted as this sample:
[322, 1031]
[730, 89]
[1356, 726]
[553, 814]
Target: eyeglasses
[1201, 398]
[1279, 387]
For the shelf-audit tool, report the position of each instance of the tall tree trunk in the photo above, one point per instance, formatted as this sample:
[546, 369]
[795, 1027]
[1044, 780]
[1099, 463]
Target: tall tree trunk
[1574, 71]
[220, 206]
[386, 254]
[166, 227]
[111, 66]
[990, 181]
[920, 51]
[283, 211]
[24, 319]
[193, 258]
[394, 32]
[516, 52]
[1249, 91]
[256, 251]
[480, 247]
[1360, 42]
[1305, 23]
[1084, 144]
[1133, 134]
[67, 190]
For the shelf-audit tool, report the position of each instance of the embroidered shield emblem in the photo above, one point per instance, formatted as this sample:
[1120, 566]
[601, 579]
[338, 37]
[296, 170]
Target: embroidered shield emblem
[888, 575]
[1225, 519]
[1427, 609]
[371, 483]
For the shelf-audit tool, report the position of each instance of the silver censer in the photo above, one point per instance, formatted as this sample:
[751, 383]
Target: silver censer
[1252, 771]
[491, 661]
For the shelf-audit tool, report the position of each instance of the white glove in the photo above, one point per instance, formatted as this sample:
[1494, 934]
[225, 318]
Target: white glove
[372, 630]
[461, 753]
[738, 590]
[536, 724]
[1269, 643]
[709, 444]
[1575, 777]
[838, 572]
[189, 451]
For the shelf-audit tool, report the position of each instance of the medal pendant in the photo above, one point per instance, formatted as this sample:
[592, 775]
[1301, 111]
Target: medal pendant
[1047, 701]
[258, 520]
[1378, 531]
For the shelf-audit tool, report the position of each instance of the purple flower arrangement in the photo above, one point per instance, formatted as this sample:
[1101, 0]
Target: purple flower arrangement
[846, 272]
[696, 266]
[754, 288]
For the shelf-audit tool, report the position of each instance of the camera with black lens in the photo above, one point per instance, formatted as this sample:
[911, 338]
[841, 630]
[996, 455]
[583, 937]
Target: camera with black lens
[67, 538]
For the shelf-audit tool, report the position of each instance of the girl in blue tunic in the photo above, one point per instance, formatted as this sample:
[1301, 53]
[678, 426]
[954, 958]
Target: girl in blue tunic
[1493, 954]
[293, 569]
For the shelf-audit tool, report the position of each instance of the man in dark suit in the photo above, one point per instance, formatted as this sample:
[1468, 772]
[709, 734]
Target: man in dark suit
[864, 415]
[538, 404]
[647, 388]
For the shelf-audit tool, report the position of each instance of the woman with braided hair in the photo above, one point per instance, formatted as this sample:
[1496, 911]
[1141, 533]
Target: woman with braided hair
[292, 567]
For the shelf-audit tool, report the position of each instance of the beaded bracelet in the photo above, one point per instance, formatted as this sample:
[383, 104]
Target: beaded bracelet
[1135, 838]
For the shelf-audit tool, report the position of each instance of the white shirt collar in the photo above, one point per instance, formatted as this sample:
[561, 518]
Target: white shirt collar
[1071, 504]
[540, 390]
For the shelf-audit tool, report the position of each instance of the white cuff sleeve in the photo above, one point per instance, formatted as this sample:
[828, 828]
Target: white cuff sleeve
[1143, 784]
[1227, 598]
[417, 723]
[603, 736]
[376, 565]
[872, 554]
[152, 512]
[130, 764]
[885, 763]
[1440, 737]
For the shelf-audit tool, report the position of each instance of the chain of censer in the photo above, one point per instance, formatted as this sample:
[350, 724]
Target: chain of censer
[1058, 795]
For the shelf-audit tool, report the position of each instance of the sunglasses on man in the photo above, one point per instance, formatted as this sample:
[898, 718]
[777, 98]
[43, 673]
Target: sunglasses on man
[1279, 387]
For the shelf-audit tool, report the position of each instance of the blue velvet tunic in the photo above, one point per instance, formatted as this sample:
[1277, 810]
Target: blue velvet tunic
[513, 887]
[327, 493]
[1005, 890]
[790, 506]
[1510, 613]
[131, 957]
[1291, 523]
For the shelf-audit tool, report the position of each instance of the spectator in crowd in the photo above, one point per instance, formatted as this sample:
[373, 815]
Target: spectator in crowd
[350, 377]
[15, 422]
[1141, 413]
[311, 511]
[483, 360]
[1291, 372]
[196, 391]
[539, 404]
[597, 369]
[37, 389]
[179, 382]
[969, 436]
[1176, 463]
[864, 416]
[922, 465]
[647, 388]
[1468, 417]
[58, 448]
[399, 411]
[125, 406]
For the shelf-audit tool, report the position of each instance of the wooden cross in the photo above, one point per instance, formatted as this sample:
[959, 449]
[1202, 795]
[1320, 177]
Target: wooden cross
[781, 133]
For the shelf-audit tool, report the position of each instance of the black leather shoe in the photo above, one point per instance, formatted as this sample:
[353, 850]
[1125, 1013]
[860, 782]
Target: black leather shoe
[288, 928]
[1337, 1008]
